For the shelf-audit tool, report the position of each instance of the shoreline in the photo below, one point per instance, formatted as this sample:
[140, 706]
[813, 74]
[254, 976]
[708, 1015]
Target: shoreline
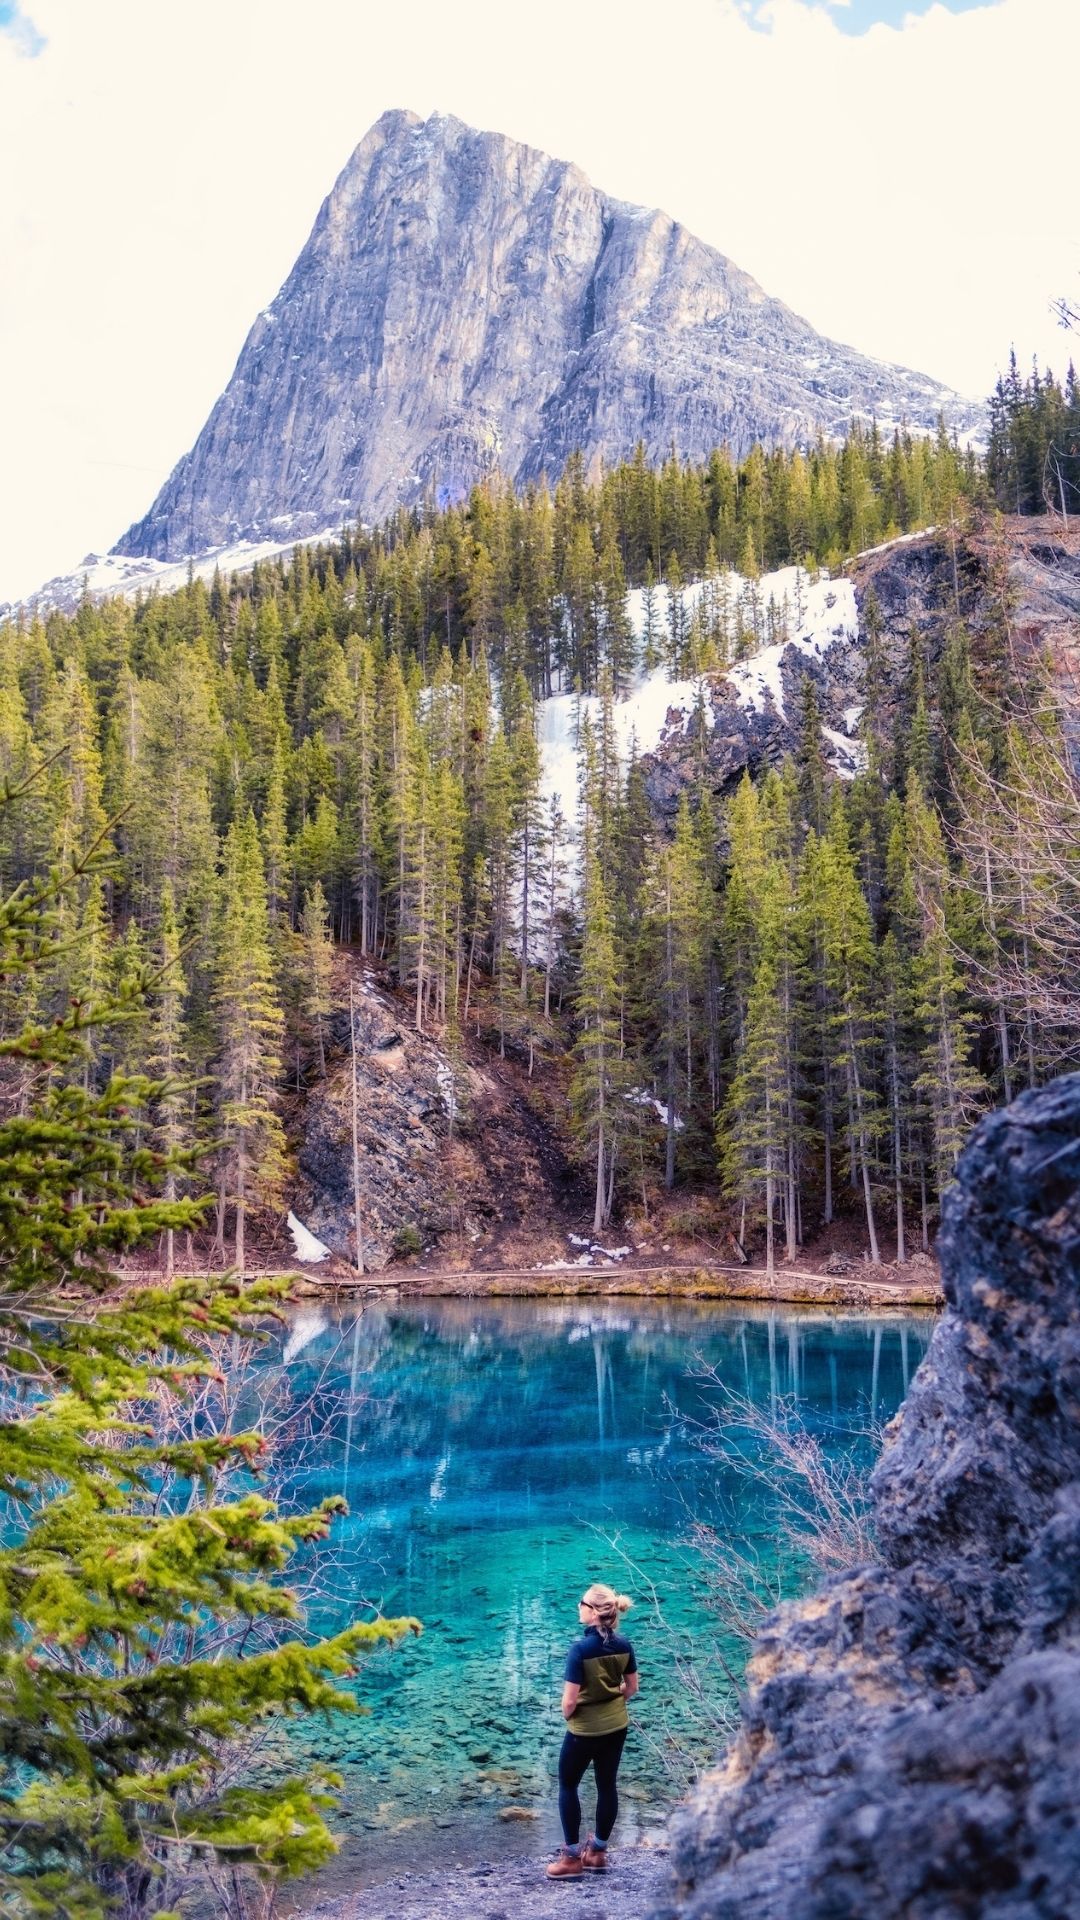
[639, 1886]
[795, 1287]
[870, 1290]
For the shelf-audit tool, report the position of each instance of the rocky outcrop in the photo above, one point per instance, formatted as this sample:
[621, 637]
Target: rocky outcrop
[403, 1090]
[466, 304]
[919, 592]
[461, 1157]
[910, 1740]
[912, 581]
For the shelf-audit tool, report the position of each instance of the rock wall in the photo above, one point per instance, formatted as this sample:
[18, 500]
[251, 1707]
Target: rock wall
[403, 1086]
[919, 596]
[912, 581]
[910, 1739]
[492, 1188]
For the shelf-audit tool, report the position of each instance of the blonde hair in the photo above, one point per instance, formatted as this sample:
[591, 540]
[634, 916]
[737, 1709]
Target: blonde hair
[607, 1605]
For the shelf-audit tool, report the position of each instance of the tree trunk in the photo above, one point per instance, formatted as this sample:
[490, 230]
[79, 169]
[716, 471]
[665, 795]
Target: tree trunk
[355, 1131]
[863, 1145]
[1003, 1025]
[669, 991]
[524, 987]
[828, 1133]
[421, 932]
[170, 1238]
[898, 1168]
[241, 1175]
[219, 1215]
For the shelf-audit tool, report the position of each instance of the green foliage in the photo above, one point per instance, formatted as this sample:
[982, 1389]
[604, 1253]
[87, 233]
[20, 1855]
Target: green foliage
[342, 747]
[248, 1018]
[1033, 459]
[139, 1559]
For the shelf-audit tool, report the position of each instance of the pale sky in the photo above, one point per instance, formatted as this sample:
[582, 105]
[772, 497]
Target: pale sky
[904, 178]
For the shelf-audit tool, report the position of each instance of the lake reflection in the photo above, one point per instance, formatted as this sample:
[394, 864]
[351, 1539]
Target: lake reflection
[499, 1456]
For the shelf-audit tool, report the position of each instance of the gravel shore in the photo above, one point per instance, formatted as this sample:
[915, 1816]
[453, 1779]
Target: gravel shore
[637, 1886]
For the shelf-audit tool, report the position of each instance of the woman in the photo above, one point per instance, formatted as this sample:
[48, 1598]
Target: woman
[601, 1676]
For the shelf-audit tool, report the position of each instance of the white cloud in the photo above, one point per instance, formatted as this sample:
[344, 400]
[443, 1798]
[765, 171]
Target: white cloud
[20, 30]
[907, 191]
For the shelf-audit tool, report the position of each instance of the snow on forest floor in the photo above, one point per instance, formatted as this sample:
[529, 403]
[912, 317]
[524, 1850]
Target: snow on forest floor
[306, 1245]
[590, 1250]
[811, 615]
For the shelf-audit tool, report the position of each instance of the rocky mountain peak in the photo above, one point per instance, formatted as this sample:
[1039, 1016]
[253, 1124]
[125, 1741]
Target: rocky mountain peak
[466, 304]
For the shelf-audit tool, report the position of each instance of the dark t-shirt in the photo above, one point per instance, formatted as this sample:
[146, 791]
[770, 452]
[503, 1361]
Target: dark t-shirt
[598, 1667]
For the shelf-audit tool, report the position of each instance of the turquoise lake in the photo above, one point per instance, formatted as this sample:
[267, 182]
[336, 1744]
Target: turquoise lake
[499, 1456]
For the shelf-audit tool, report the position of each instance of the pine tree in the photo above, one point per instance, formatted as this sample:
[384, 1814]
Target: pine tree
[739, 914]
[134, 1561]
[652, 632]
[676, 935]
[249, 1032]
[755, 1129]
[528, 848]
[850, 972]
[555, 889]
[949, 1081]
[500, 823]
[598, 1076]
[447, 892]
[318, 968]
[275, 838]
[167, 1062]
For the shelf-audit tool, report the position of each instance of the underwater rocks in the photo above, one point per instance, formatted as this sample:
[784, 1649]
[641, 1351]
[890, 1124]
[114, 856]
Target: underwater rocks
[910, 1739]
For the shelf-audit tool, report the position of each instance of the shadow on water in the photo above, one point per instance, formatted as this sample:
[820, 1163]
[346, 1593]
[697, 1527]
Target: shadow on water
[497, 1457]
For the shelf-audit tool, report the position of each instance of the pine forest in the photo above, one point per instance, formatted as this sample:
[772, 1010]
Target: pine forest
[821, 981]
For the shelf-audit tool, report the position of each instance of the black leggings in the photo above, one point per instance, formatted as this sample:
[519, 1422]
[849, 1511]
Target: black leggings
[580, 1751]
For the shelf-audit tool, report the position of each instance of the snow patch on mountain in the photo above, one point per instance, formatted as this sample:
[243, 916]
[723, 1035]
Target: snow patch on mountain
[847, 757]
[638, 1097]
[106, 576]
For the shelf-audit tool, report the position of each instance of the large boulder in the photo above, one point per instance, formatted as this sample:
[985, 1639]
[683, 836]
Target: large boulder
[910, 1739]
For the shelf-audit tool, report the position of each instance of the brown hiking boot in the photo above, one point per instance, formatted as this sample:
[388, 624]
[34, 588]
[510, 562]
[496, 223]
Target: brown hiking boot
[594, 1859]
[566, 1867]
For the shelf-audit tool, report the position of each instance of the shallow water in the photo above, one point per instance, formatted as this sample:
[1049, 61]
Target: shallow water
[499, 1456]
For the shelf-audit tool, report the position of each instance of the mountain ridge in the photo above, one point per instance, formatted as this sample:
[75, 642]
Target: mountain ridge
[466, 305]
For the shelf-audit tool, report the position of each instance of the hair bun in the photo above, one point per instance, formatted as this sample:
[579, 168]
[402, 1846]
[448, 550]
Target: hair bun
[623, 1602]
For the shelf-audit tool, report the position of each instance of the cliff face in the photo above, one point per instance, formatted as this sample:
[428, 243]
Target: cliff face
[493, 1184]
[466, 304]
[910, 1742]
[919, 595]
